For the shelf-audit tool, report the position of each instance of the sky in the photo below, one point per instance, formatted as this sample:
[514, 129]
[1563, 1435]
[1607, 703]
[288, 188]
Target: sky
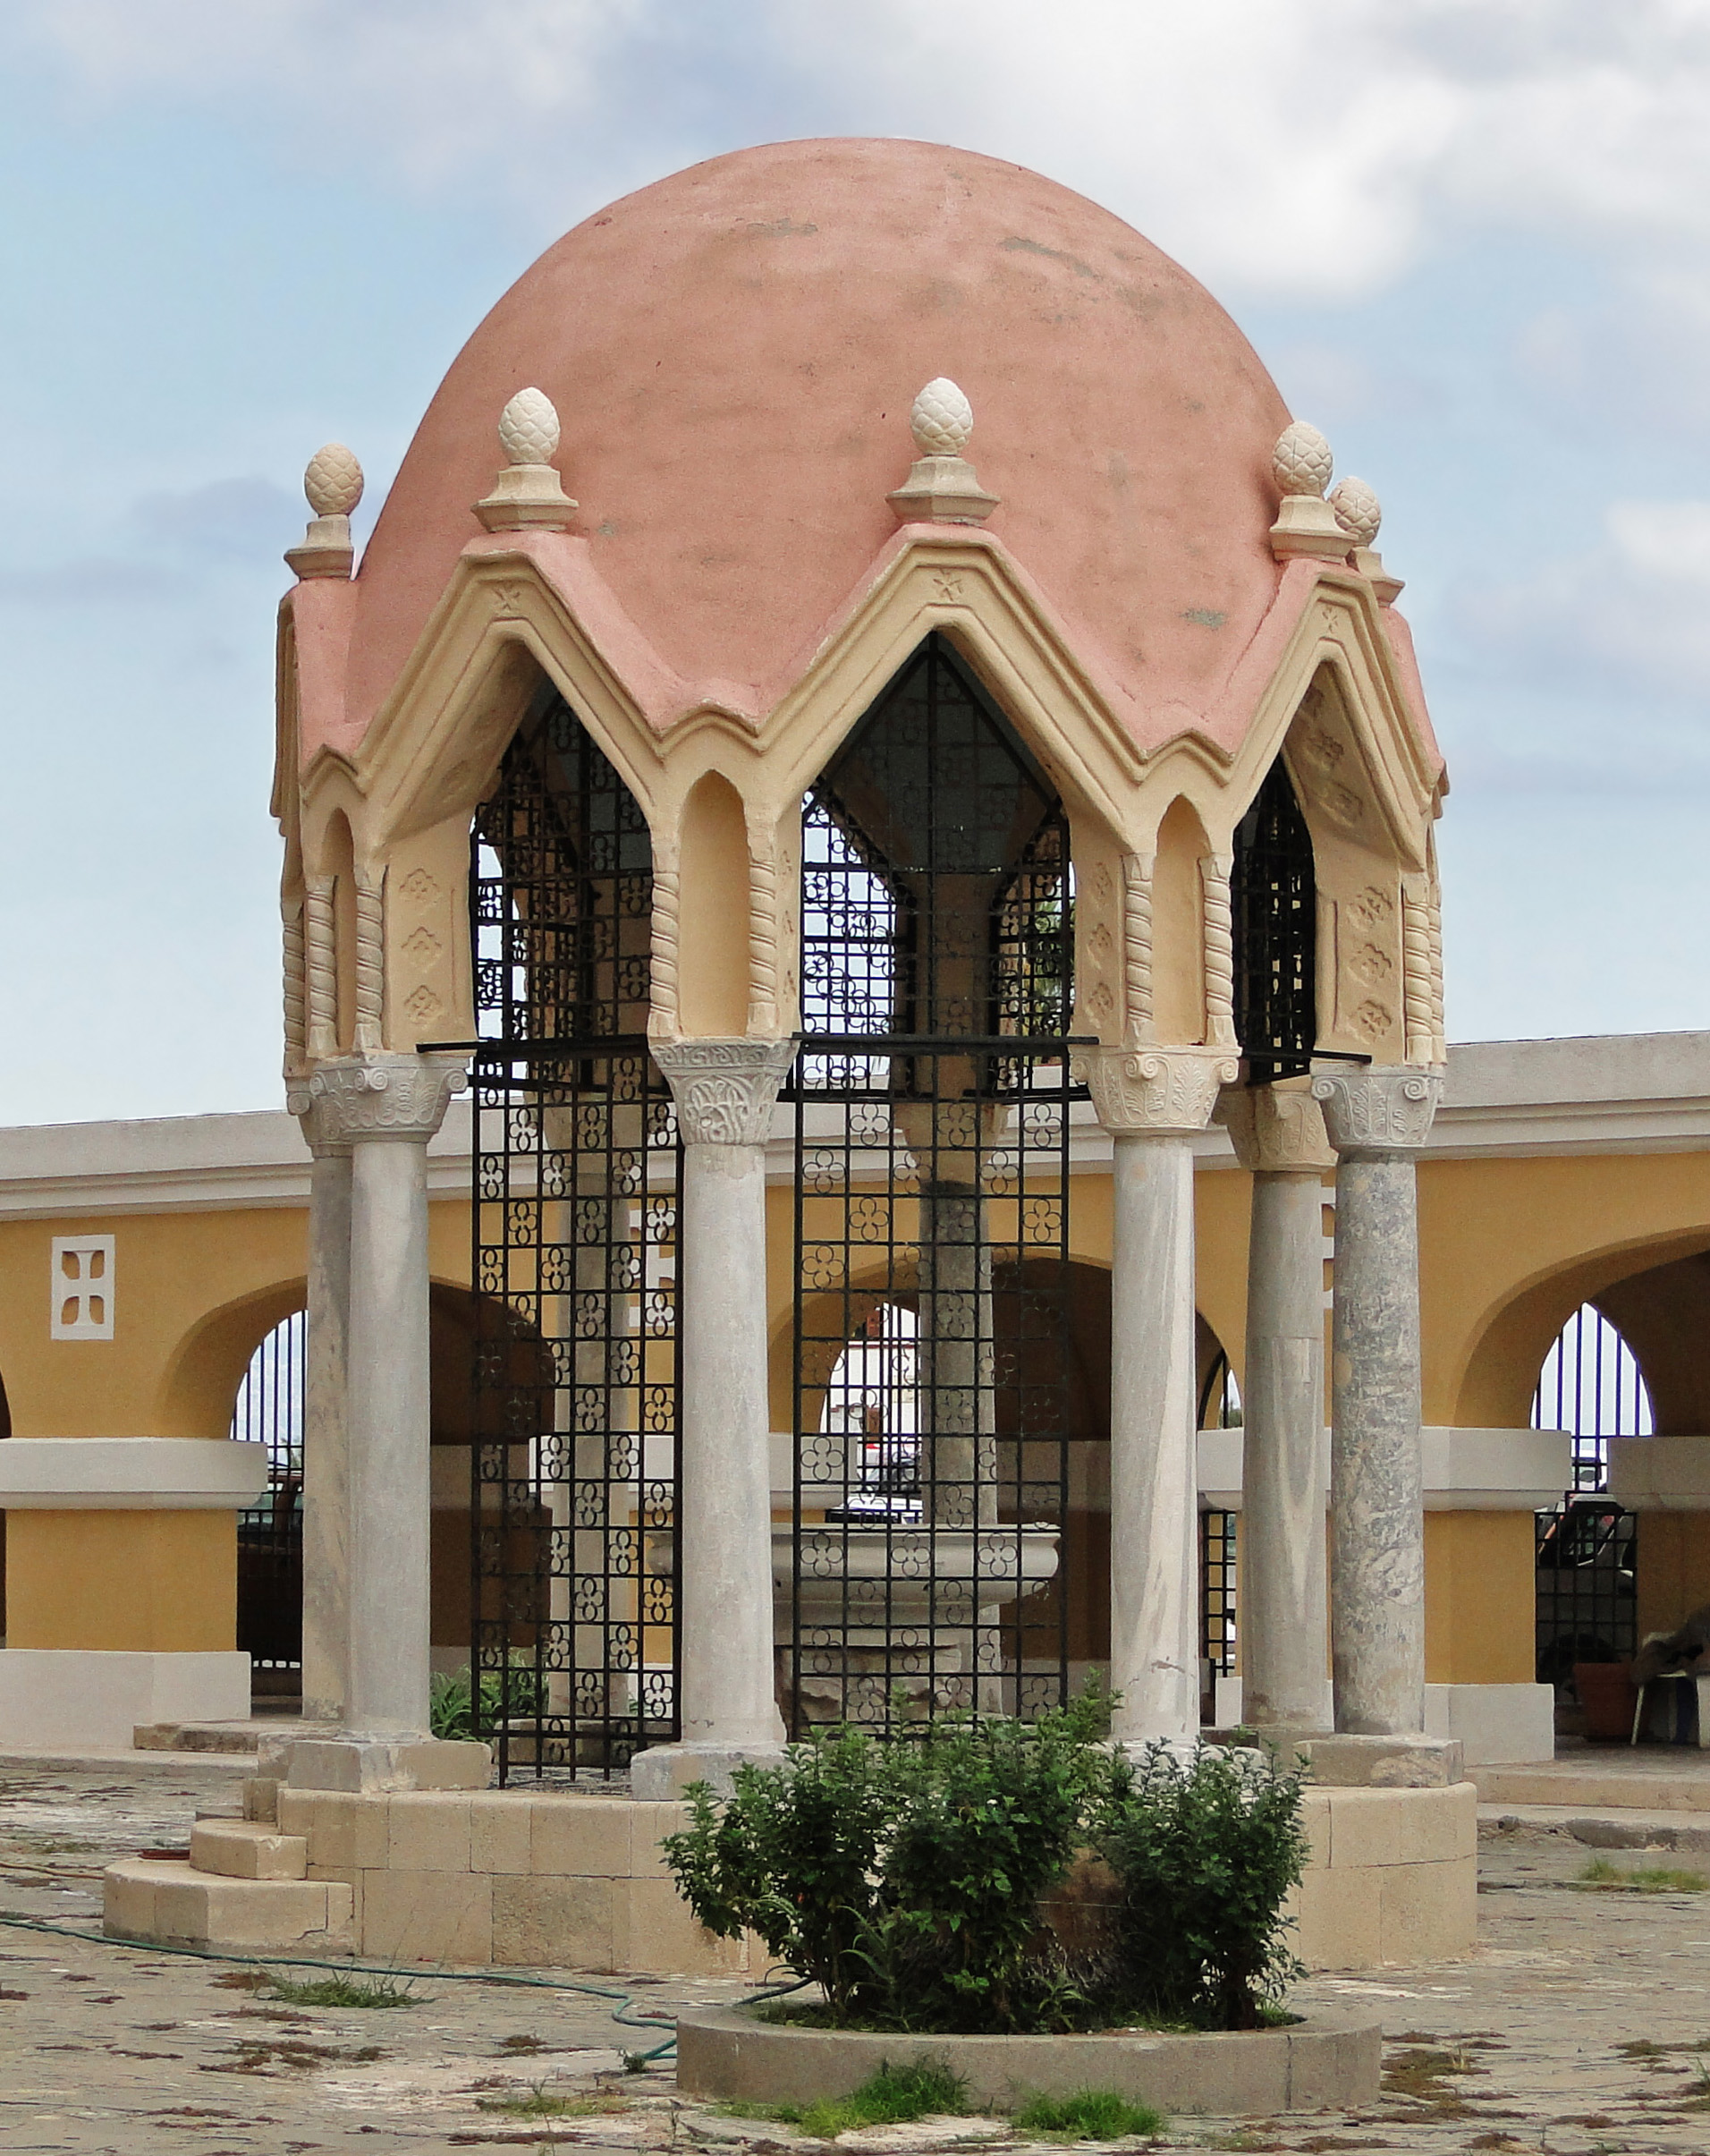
[1470, 239]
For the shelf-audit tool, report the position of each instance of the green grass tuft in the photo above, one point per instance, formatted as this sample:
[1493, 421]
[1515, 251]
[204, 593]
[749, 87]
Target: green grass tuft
[1643, 1878]
[539, 2102]
[896, 2095]
[1088, 2115]
[343, 1991]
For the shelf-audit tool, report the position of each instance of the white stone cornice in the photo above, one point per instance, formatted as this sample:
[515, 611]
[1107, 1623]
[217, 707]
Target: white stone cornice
[354, 1098]
[1378, 1111]
[131, 1474]
[724, 1089]
[1154, 1093]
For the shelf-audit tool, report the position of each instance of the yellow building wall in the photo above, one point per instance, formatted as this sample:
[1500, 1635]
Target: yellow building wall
[161, 1581]
[1673, 1568]
[1479, 1598]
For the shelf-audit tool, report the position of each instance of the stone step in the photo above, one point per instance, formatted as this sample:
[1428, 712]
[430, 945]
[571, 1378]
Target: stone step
[236, 1737]
[246, 1848]
[1622, 1827]
[167, 1899]
[1625, 1787]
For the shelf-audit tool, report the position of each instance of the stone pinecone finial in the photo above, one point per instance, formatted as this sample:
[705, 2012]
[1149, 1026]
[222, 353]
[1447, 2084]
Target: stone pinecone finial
[332, 486]
[333, 480]
[1302, 465]
[1357, 509]
[942, 487]
[527, 495]
[529, 429]
[940, 419]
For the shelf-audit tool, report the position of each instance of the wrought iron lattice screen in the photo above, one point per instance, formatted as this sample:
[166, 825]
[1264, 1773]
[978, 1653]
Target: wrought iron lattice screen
[1587, 1548]
[269, 1411]
[1219, 1576]
[932, 1103]
[1274, 902]
[576, 1180]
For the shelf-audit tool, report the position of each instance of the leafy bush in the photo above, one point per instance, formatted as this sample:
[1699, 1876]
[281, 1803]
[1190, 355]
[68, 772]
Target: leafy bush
[905, 1878]
[453, 1708]
[1088, 2115]
[1206, 1855]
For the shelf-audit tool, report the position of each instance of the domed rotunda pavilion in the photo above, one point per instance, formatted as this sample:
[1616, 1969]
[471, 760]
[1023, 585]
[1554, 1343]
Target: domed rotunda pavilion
[861, 730]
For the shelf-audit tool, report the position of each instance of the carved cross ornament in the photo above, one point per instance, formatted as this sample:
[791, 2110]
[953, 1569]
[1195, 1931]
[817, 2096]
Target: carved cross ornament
[724, 1089]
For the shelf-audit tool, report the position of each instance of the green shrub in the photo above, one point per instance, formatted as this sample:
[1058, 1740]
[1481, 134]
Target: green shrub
[1088, 2115]
[905, 1878]
[1206, 1855]
[453, 1711]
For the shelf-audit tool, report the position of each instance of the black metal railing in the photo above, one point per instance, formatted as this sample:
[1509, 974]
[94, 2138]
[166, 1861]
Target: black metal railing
[268, 1411]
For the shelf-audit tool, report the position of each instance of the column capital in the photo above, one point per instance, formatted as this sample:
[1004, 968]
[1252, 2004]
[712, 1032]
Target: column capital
[1378, 1111]
[1276, 1129]
[350, 1098]
[1154, 1093]
[724, 1089]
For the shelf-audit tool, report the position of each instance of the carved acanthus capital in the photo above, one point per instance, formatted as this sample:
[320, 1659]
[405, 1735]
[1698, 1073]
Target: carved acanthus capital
[724, 1089]
[1277, 1129]
[351, 1098]
[1153, 1092]
[1378, 1111]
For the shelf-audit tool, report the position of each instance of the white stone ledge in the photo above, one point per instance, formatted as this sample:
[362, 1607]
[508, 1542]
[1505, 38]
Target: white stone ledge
[87, 1699]
[1465, 1470]
[1661, 1474]
[130, 1474]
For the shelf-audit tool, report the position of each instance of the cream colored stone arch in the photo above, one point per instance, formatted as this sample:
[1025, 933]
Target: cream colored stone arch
[1337, 711]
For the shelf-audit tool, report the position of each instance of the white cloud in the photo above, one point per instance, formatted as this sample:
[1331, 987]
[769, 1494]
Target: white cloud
[1302, 147]
[1626, 621]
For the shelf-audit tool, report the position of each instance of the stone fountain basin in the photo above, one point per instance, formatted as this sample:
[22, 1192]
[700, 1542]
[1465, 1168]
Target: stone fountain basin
[905, 1569]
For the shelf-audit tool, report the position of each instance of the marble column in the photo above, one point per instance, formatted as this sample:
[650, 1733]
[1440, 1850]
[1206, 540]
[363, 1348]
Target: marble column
[725, 1092]
[1278, 1132]
[376, 1112]
[1153, 1101]
[327, 1475]
[1377, 1120]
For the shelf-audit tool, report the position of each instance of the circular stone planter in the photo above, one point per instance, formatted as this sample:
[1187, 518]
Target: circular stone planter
[1323, 2062]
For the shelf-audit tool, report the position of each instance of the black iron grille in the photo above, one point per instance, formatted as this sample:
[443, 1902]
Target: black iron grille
[932, 1106]
[1275, 905]
[577, 1177]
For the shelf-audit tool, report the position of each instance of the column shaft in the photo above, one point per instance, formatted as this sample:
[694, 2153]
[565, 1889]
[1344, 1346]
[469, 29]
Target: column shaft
[389, 1436]
[1376, 1497]
[326, 1552]
[1283, 1499]
[1155, 1618]
[725, 1481]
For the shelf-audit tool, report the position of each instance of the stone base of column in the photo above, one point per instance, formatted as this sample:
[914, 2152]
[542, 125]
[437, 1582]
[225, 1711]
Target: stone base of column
[372, 1765]
[662, 1774]
[1360, 1763]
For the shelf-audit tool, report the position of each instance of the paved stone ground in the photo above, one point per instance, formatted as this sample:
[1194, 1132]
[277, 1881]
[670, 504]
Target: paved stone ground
[1582, 2025]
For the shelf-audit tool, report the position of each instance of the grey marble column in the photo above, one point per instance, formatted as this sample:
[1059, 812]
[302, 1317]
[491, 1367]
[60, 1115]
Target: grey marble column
[327, 1475]
[724, 1093]
[1278, 1132]
[1151, 1101]
[380, 1111]
[1377, 1119]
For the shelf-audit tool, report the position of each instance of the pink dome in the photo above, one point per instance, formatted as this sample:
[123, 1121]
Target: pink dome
[734, 353]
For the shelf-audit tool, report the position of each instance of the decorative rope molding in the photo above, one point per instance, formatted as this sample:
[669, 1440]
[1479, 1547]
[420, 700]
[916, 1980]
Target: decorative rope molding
[1440, 1038]
[1220, 950]
[323, 969]
[661, 980]
[1137, 947]
[1420, 1033]
[763, 944]
[296, 988]
[371, 961]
